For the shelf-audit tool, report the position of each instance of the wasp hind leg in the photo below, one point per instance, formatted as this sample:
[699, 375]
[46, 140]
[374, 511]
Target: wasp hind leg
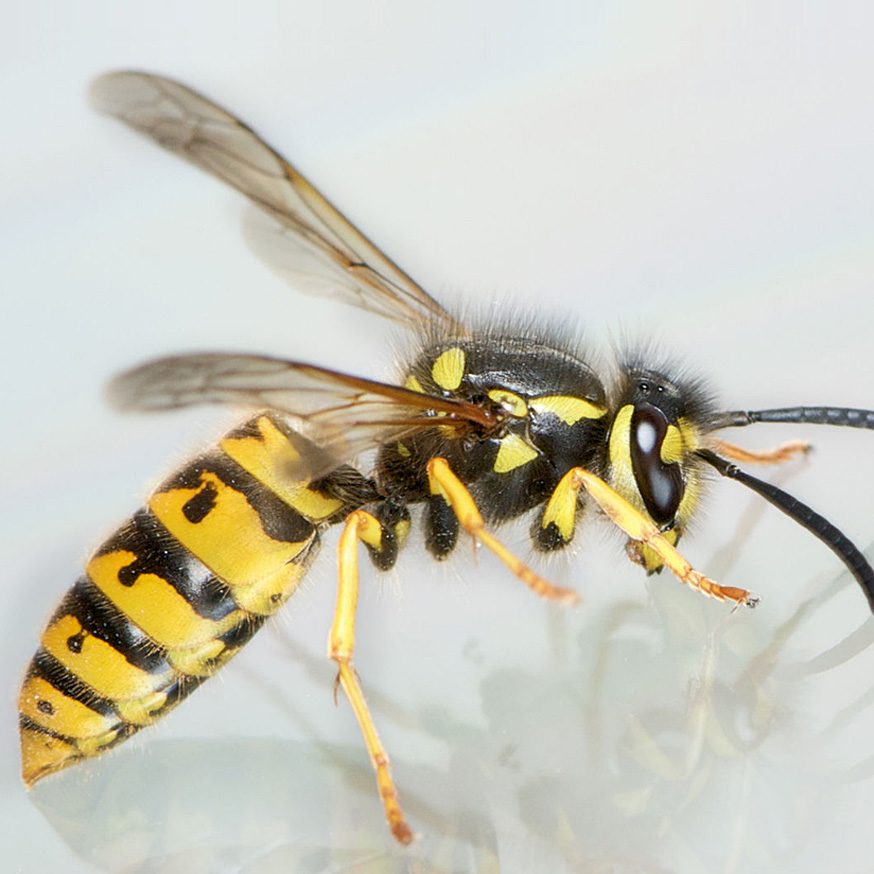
[645, 535]
[450, 488]
[361, 525]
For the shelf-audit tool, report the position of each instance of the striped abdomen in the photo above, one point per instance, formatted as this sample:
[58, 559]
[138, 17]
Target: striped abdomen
[176, 592]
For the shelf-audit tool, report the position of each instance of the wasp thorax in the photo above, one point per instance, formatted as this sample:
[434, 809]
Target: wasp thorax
[548, 409]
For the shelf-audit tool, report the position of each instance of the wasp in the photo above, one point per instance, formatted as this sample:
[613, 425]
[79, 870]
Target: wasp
[487, 423]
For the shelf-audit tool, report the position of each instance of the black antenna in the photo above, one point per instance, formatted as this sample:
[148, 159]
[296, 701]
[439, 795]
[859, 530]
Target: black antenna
[817, 525]
[845, 417]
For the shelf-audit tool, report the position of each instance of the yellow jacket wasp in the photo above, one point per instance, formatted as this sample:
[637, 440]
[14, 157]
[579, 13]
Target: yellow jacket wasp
[487, 423]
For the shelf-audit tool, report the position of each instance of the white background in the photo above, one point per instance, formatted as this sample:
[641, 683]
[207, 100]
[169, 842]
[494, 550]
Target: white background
[697, 173]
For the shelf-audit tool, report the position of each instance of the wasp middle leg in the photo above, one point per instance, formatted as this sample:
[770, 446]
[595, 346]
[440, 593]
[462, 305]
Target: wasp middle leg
[449, 487]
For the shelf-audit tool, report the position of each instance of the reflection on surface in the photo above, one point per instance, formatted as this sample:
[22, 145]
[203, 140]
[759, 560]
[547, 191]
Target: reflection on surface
[672, 736]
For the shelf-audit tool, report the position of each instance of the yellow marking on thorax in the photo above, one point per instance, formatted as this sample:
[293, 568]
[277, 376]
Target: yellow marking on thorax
[230, 540]
[513, 453]
[155, 605]
[510, 402]
[270, 460]
[98, 663]
[448, 370]
[413, 384]
[568, 408]
[65, 715]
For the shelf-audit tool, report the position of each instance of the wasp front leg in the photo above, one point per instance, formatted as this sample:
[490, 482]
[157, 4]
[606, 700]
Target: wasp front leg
[362, 526]
[643, 531]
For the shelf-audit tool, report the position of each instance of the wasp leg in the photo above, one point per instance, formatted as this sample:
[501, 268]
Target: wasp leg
[646, 532]
[777, 455]
[441, 527]
[647, 557]
[360, 525]
[555, 528]
[445, 483]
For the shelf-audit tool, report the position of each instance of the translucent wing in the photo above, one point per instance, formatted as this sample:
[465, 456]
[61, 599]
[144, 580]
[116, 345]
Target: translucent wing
[349, 414]
[308, 241]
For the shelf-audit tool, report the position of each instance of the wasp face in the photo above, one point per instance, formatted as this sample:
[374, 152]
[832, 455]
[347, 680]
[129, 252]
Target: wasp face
[657, 428]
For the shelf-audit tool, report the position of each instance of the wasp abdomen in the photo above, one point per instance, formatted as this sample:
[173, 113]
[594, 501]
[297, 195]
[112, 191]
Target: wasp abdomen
[169, 598]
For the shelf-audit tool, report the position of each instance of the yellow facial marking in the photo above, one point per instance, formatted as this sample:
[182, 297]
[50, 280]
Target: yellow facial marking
[621, 470]
[232, 520]
[448, 369]
[403, 451]
[672, 446]
[512, 403]
[413, 384]
[154, 604]
[690, 434]
[270, 460]
[568, 408]
[97, 663]
[691, 494]
[514, 452]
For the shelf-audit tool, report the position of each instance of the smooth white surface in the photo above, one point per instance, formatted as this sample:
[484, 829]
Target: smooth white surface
[696, 173]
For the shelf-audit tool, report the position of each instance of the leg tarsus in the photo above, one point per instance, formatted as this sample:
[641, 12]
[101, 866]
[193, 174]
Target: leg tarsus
[388, 792]
[643, 530]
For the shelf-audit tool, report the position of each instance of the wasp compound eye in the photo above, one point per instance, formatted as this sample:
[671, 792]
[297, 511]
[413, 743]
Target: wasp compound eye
[660, 483]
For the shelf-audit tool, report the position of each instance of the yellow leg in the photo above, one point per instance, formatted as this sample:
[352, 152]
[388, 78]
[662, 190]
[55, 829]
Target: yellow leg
[777, 455]
[444, 482]
[645, 531]
[341, 644]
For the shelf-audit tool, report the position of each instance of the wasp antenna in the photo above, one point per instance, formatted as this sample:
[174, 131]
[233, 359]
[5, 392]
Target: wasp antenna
[845, 417]
[817, 525]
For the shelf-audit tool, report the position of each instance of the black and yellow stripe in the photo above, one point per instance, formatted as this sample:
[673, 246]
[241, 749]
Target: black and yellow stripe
[177, 591]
